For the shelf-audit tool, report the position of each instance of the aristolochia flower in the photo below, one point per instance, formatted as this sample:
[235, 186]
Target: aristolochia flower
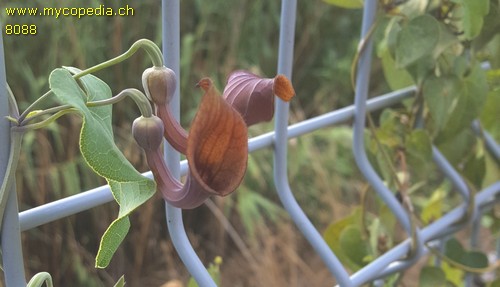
[216, 146]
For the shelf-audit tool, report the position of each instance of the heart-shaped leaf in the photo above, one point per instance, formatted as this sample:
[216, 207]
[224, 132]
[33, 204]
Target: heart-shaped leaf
[333, 234]
[129, 187]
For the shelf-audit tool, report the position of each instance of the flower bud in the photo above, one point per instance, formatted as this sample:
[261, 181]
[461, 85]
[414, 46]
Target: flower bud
[159, 84]
[148, 132]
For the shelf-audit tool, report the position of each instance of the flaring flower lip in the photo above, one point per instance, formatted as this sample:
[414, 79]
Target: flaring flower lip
[217, 147]
[253, 96]
[217, 144]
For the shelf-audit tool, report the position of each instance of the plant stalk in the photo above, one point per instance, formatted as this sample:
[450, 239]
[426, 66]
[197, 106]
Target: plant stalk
[150, 47]
[16, 138]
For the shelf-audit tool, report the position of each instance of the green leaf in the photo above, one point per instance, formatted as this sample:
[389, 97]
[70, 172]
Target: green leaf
[440, 94]
[95, 90]
[419, 152]
[396, 78]
[446, 40]
[475, 168]
[489, 117]
[473, 94]
[422, 68]
[390, 129]
[460, 65]
[387, 219]
[353, 245]
[418, 145]
[475, 259]
[454, 148]
[492, 172]
[349, 4]
[334, 232]
[472, 259]
[129, 187]
[478, 83]
[434, 207]
[432, 276]
[416, 40]
[473, 16]
[453, 275]
[491, 28]
[454, 250]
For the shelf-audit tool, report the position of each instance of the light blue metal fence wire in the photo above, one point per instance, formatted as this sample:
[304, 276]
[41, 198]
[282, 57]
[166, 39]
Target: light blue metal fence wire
[180, 240]
[392, 261]
[11, 236]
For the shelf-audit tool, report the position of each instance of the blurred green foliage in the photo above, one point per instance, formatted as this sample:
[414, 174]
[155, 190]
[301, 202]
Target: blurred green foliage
[440, 47]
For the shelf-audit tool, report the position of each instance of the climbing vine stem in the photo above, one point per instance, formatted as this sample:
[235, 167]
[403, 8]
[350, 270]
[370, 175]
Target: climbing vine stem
[56, 112]
[150, 47]
[39, 279]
